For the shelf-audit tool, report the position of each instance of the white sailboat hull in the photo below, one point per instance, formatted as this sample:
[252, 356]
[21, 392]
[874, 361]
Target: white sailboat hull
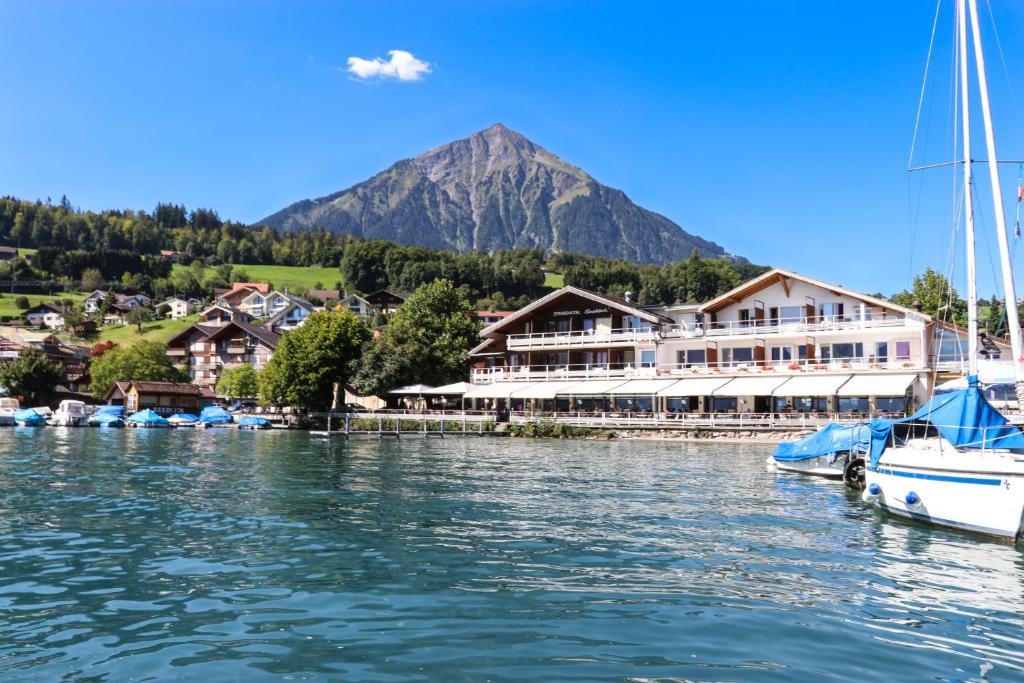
[931, 481]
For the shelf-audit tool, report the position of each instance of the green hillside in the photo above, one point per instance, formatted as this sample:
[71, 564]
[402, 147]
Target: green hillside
[290, 277]
[8, 309]
[158, 331]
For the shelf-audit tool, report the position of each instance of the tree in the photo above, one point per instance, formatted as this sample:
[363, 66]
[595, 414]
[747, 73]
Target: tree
[22, 303]
[92, 279]
[144, 360]
[32, 376]
[241, 381]
[937, 297]
[138, 316]
[427, 340]
[163, 310]
[309, 360]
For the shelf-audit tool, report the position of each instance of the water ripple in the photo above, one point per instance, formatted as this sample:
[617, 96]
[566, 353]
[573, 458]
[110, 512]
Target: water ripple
[217, 555]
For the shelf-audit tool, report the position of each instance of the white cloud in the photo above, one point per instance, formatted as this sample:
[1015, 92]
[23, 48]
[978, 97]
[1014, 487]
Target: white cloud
[401, 65]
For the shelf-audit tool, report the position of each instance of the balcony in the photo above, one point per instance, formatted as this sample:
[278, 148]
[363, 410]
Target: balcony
[177, 353]
[581, 338]
[537, 373]
[786, 326]
[236, 349]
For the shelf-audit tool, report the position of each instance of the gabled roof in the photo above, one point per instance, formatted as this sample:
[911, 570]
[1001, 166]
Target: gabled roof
[783, 276]
[172, 299]
[323, 294]
[267, 337]
[621, 304]
[179, 388]
[189, 332]
[46, 306]
[116, 390]
[292, 305]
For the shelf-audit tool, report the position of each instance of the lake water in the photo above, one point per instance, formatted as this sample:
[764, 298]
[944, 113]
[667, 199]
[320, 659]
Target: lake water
[225, 555]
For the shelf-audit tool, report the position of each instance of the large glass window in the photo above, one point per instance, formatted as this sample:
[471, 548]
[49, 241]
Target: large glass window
[833, 311]
[677, 405]
[782, 354]
[791, 314]
[633, 322]
[723, 404]
[695, 357]
[891, 404]
[853, 404]
[902, 350]
[648, 358]
[738, 355]
[882, 352]
[847, 350]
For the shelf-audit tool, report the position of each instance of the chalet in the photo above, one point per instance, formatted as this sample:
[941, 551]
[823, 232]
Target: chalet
[386, 302]
[166, 398]
[203, 349]
[125, 301]
[179, 308]
[239, 291]
[45, 315]
[190, 351]
[492, 317]
[291, 316]
[15, 340]
[170, 255]
[358, 305]
[220, 313]
[8, 253]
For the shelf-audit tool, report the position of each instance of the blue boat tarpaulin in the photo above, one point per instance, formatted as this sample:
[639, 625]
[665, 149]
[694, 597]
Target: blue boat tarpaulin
[827, 441]
[117, 411]
[183, 418]
[964, 418]
[28, 416]
[148, 418]
[107, 420]
[253, 421]
[214, 415]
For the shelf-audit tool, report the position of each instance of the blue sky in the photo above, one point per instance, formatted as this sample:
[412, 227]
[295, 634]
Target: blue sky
[780, 130]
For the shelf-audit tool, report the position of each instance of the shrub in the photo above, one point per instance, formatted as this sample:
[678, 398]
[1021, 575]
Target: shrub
[22, 303]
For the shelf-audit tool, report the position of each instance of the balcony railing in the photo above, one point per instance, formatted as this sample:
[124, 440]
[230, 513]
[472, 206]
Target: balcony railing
[535, 373]
[177, 353]
[783, 326]
[581, 338]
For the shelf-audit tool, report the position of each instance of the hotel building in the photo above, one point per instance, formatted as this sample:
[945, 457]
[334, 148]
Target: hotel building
[779, 343]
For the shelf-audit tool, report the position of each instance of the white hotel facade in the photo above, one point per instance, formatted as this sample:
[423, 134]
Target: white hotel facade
[780, 343]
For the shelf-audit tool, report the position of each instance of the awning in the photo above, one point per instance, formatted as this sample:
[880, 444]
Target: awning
[642, 387]
[877, 385]
[812, 385]
[750, 386]
[449, 389]
[496, 390]
[411, 390]
[694, 386]
[594, 387]
[542, 390]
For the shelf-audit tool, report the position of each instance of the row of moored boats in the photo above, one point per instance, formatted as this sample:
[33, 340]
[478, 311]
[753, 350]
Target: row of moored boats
[72, 413]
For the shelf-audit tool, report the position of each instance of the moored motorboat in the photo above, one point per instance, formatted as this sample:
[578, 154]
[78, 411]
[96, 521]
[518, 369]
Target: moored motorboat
[107, 416]
[8, 406]
[253, 422]
[69, 413]
[835, 451]
[147, 418]
[28, 417]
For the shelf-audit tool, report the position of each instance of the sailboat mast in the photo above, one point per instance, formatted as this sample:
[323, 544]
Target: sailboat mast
[965, 109]
[1009, 290]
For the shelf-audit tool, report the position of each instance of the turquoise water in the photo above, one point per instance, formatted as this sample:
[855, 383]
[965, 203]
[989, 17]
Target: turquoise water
[249, 556]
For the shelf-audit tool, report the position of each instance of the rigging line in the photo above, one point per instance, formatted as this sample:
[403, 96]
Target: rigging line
[924, 81]
[960, 161]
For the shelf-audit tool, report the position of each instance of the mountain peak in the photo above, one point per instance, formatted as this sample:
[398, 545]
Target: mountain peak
[496, 189]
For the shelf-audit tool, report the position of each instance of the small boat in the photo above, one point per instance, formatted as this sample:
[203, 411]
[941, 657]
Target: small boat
[835, 451]
[213, 416]
[107, 416]
[28, 417]
[7, 408]
[183, 420]
[147, 418]
[253, 422]
[69, 413]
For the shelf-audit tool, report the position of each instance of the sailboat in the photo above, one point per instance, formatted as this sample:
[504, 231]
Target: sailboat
[957, 462]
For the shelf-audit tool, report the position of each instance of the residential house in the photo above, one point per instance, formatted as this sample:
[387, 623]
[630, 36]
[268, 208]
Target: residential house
[170, 255]
[778, 343]
[179, 308]
[219, 314]
[203, 350]
[165, 398]
[385, 301]
[358, 305]
[8, 253]
[45, 315]
[121, 300]
[492, 317]
[239, 291]
[14, 340]
[291, 316]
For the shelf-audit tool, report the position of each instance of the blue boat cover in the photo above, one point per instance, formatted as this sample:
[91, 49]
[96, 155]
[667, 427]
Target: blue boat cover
[829, 440]
[214, 415]
[148, 418]
[964, 418]
[28, 416]
[117, 411]
[107, 419]
[188, 418]
[253, 421]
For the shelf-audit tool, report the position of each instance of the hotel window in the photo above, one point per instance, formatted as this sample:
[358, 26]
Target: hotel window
[857, 404]
[595, 359]
[791, 314]
[633, 322]
[801, 352]
[782, 353]
[773, 316]
[739, 355]
[882, 352]
[746, 317]
[563, 325]
[832, 312]
[846, 351]
[588, 324]
[648, 358]
[692, 357]
[902, 350]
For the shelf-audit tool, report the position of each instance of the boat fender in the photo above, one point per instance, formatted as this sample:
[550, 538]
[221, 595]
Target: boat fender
[912, 498]
[853, 474]
[872, 493]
